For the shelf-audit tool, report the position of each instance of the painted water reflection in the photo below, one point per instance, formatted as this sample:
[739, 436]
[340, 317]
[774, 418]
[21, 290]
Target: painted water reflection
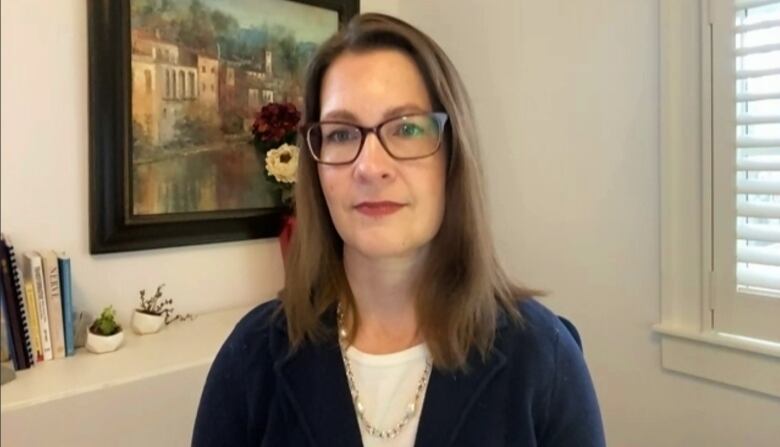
[207, 178]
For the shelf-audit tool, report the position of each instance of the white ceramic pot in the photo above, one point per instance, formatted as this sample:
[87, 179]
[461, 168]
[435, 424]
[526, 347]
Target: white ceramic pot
[102, 343]
[144, 323]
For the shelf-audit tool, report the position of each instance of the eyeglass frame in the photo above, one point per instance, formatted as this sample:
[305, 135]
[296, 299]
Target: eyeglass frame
[441, 117]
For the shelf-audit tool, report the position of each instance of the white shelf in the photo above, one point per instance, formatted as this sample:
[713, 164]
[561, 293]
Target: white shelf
[178, 346]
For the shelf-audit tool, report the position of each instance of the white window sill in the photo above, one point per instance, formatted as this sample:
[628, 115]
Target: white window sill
[741, 362]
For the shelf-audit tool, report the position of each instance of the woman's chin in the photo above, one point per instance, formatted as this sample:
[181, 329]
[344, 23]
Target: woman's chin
[376, 249]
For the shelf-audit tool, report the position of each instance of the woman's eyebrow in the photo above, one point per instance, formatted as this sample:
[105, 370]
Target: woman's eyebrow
[346, 115]
[339, 114]
[403, 110]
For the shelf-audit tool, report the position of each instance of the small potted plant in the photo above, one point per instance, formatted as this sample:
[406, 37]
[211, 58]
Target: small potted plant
[105, 334]
[154, 312]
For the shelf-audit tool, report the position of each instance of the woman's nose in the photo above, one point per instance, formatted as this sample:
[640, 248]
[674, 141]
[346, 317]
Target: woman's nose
[374, 162]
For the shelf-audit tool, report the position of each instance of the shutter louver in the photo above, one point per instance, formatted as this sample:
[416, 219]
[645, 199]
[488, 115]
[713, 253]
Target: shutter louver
[757, 54]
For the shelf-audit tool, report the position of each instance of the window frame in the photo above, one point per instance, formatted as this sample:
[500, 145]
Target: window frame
[689, 344]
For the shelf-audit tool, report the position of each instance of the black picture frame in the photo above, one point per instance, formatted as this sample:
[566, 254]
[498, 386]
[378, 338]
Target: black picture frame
[113, 227]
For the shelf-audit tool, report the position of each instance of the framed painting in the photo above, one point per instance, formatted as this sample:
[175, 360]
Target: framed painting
[174, 86]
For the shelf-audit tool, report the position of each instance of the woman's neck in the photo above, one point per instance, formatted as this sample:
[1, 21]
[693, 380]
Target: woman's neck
[384, 299]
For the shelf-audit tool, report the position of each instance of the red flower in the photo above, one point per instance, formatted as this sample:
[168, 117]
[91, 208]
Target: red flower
[275, 121]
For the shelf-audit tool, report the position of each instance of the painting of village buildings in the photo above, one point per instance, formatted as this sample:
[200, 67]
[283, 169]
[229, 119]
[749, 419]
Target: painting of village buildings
[201, 70]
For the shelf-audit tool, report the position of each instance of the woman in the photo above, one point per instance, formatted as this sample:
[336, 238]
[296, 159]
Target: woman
[396, 325]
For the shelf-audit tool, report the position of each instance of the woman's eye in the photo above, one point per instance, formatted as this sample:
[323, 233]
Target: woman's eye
[410, 130]
[339, 136]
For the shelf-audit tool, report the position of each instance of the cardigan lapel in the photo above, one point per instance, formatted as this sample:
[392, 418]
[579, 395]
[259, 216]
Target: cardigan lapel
[451, 395]
[449, 398]
[315, 382]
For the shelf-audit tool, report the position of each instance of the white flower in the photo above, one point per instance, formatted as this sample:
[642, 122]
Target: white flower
[282, 163]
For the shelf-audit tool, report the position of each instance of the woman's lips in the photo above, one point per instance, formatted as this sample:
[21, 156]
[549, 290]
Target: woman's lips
[378, 208]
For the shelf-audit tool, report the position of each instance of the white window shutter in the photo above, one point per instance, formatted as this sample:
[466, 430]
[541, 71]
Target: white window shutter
[745, 134]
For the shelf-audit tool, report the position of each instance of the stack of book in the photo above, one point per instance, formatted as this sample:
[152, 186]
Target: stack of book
[37, 305]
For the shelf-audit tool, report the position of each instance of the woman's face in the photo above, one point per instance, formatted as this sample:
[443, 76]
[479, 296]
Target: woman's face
[366, 89]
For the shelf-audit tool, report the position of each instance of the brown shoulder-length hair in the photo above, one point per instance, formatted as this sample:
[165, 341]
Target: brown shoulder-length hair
[462, 289]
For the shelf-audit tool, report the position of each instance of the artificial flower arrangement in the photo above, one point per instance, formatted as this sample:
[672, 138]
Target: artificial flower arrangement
[274, 133]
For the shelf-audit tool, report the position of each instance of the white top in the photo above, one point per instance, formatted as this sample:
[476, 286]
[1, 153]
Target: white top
[387, 384]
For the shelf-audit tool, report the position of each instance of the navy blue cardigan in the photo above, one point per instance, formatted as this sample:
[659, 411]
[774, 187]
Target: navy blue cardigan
[533, 390]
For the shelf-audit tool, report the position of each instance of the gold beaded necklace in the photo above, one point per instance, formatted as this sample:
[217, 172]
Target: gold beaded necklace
[411, 408]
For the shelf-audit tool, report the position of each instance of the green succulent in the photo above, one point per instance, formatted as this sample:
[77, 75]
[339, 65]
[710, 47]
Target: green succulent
[106, 324]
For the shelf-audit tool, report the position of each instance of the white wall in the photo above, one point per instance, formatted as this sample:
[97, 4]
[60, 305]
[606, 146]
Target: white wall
[384, 6]
[155, 411]
[566, 96]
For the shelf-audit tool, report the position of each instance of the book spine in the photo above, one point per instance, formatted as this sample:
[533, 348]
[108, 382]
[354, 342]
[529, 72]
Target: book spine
[53, 302]
[67, 304]
[16, 273]
[6, 336]
[43, 311]
[32, 319]
[15, 320]
[31, 307]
